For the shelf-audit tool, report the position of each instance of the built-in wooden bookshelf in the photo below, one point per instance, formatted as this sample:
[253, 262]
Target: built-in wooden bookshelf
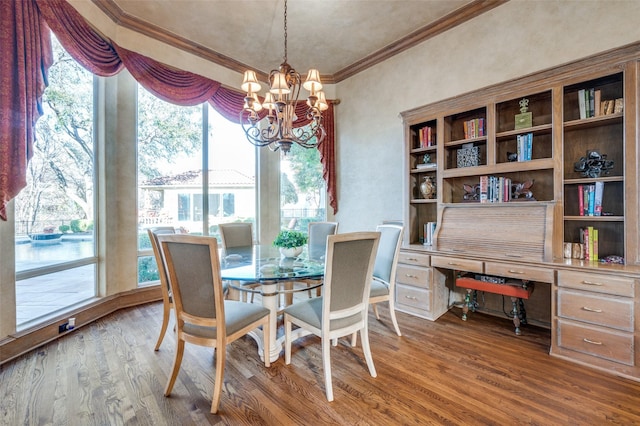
[571, 111]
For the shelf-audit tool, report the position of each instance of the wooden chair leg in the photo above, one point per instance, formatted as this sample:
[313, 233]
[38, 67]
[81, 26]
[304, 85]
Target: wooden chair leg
[166, 310]
[221, 355]
[364, 336]
[326, 365]
[375, 310]
[176, 367]
[392, 313]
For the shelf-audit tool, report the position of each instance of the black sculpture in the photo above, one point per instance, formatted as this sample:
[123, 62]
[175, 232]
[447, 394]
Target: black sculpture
[593, 165]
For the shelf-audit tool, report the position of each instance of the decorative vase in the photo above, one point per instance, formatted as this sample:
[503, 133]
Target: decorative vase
[428, 188]
[290, 251]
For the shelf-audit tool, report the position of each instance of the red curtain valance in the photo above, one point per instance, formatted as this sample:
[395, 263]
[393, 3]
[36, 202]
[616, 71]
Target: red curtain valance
[25, 38]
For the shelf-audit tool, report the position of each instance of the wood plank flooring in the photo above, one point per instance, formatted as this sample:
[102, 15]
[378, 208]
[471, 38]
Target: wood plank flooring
[447, 372]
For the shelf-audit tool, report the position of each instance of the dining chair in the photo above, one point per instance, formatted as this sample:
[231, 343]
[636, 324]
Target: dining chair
[238, 234]
[342, 308]
[317, 245]
[203, 316]
[384, 270]
[167, 302]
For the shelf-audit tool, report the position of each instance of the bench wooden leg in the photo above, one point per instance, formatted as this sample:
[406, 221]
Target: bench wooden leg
[516, 315]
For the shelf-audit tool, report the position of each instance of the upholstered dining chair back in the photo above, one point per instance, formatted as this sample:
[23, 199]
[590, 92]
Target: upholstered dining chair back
[236, 234]
[388, 251]
[342, 308]
[384, 271]
[318, 233]
[167, 303]
[203, 316]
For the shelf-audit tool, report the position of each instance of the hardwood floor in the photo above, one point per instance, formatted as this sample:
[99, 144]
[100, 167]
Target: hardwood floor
[447, 372]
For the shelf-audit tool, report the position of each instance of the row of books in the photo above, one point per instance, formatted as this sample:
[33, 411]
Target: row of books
[524, 146]
[429, 230]
[473, 128]
[589, 240]
[494, 189]
[590, 199]
[590, 104]
[426, 136]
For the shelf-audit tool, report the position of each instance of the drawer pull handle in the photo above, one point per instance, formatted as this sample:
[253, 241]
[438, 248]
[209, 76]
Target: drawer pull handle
[586, 308]
[453, 264]
[411, 297]
[456, 250]
[591, 283]
[511, 271]
[593, 342]
[512, 255]
[411, 276]
[413, 259]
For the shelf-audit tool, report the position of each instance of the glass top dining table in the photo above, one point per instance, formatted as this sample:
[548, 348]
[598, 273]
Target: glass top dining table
[275, 275]
[263, 263]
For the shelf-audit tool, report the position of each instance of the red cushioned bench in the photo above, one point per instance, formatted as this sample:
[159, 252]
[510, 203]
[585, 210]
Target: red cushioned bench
[517, 292]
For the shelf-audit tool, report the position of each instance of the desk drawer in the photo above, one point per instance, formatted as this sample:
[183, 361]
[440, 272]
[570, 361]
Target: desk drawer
[600, 283]
[512, 270]
[413, 276]
[413, 297]
[457, 263]
[608, 344]
[410, 258]
[612, 312]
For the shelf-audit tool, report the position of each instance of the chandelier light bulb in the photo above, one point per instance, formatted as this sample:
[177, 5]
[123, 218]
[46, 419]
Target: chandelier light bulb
[250, 82]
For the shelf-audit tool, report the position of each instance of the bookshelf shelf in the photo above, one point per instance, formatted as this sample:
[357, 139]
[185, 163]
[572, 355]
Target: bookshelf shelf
[595, 218]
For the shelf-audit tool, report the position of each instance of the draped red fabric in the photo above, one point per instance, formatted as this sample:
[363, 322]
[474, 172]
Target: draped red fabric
[25, 49]
[169, 84]
[328, 157]
[104, 58]
[82, 42]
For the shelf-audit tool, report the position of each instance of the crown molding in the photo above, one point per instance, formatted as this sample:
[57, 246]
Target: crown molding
[457, 17]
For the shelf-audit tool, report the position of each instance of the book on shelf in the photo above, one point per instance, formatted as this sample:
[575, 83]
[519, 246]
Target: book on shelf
[473, 128]
[597, 198]
[426, 166]
[595, 245]
[425, 135]
[484, 188]
[581, 104]
[581, 200]
[428, 232]
[618, 106]
[591, 204]
[591, 100]
[597, 101]
[589, 240]
[524, 146]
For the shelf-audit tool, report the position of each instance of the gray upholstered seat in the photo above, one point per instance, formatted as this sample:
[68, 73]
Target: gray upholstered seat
[203, 317]
[342, 308]
[167, 303]
[384, 271]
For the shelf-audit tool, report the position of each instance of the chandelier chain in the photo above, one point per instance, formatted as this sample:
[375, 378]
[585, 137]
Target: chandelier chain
[285, 30]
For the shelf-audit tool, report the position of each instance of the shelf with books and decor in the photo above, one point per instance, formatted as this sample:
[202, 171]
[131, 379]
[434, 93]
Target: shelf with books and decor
[465, 139]
[593, 167]
[422, 144]
[524, 128]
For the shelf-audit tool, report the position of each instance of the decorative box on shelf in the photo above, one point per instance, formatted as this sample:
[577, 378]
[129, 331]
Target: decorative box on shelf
[468, 156]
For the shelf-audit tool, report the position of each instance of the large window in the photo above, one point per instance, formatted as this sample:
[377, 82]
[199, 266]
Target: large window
[302, 188]
[55, 247]
[176, 145]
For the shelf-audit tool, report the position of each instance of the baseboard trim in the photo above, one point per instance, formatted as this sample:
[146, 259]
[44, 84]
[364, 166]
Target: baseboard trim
[19, 343]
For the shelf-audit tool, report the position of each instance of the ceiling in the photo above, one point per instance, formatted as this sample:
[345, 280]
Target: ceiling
[338, 37]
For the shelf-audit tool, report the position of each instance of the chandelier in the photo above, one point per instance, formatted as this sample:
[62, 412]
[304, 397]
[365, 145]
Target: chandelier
[277, 129]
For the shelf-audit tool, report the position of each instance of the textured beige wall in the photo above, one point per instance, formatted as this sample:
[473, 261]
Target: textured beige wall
[515, 39]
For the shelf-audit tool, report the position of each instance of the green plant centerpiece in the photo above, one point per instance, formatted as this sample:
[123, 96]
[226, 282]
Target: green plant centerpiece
[290, 242]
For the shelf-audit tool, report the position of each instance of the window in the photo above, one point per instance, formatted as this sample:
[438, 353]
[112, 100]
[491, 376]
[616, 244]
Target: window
[55, 246]
[175, 145]
[302, 188]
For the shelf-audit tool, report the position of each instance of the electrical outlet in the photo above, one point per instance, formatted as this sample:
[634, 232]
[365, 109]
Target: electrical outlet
[63, 327]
